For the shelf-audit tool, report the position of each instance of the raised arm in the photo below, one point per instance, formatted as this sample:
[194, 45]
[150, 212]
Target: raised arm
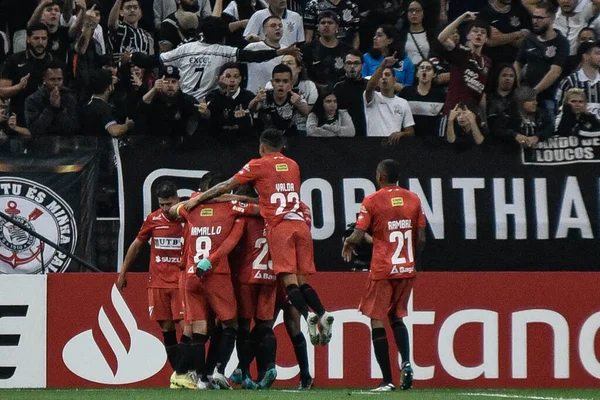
[37, 13]
[113, 17]
[374, 80]
[215, 191]
[444, 35]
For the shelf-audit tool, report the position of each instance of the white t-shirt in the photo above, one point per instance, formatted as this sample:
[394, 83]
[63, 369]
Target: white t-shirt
[570, 26]
[199, 65]
[386, 115]
[293, 29]
[412, 51]
[259, 74]
[309, 94]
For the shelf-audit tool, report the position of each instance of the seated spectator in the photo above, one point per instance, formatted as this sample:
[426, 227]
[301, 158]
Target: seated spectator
[463, 128]
[349, 91]
[180, 25]
[529, 123]
[573, 62]
[276, 107]
[9, 127]
[293, 32]
[575, 119]
[385, 44]
[48, 12]
[425, 100]
[125, 36]
[165, 110]
[237, 14]
[326, 120]
[23, 72]
[98, 116]
[304, 87]
[324, 56]
[500, 99]
[348, 18]
[387, 114]
[417, 36]
[469, 68]
[228, 107]
[543, 54]
[53, 109]
[259, 74]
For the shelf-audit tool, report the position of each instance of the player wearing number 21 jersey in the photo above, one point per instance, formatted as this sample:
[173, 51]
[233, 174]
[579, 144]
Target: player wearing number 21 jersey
[396, 220]
[276, 178]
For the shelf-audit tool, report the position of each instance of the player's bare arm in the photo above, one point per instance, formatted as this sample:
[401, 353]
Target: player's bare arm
[215, 191]
[374, 80]
[132, 253]
[224, 198]
[351, 242]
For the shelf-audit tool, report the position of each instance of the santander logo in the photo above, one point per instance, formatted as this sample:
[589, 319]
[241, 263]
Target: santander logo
[117, 352]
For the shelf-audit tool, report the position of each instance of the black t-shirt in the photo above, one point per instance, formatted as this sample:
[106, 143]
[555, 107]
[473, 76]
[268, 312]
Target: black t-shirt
[160, 118]
[539, 57]
[58, 44]
[169, 31]
[325, 66]
[349, 93]
[19, 65]
[97, 115]
[223, 123]
[278, 116]
[426, 110]
[515, 19]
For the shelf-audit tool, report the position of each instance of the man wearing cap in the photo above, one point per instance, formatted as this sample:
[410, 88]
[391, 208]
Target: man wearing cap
[348, 19]
[324, 57]
[586, 77]
[165, 110]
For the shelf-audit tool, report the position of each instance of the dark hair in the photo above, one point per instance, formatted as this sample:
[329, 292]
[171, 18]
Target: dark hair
[97, 3]
[270, 17]
[214, 30]
[587, 28]
[355, 53]
[496, 77]
[319, 108]
[550, 7]
[282, 69]
[166, 190]
[272, 138]
[128, 1]
[100, 81]
[52, 4]
[230, 65]
[53, 64]
[429, 25]
[204, 181]
[391, 32]
[390, 169]
[215, 179]
[246, 9]
[302, 75]
[39, 26]
[425, 60]
[479, 23]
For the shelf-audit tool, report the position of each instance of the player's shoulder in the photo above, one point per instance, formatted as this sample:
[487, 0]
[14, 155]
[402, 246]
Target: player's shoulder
[410, 195]
[155, 217]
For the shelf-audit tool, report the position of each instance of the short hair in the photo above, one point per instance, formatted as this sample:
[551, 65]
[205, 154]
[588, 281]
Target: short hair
[586, 48]
[39, 26]
[53, 65]
[282, 69]
[230, 65]
[355, 53]
[574, 92]
[100, 81]
[479, 23]
[52, 4]
[390, 169]
[129, 1]
[272, 138]
[270, 17]
[166, 190]
[393, 72]
[214, 29]
[215, 179]
[550, 7]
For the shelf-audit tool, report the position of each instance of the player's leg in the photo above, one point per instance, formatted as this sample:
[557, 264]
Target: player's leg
[170, 341]
[215, 332]
[197, 349]
[268, 350]
[398, 310]
[291, 319]
[381, 346]
[246, 297]
[242, 346]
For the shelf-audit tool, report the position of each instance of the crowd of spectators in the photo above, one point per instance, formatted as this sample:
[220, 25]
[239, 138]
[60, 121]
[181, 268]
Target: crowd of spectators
[461, 71]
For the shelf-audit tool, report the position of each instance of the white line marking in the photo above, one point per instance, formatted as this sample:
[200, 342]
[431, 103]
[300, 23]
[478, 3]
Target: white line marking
[516, 396]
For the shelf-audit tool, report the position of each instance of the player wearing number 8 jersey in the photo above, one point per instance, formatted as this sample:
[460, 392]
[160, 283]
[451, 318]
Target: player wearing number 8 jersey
[396, 220]
[276, 178]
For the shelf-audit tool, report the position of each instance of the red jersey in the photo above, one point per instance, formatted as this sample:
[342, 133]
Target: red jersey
[393, 214]
[251, 260]
[186, 236]
[165, 249]
[468, 77]
[209, 226]
[276, 178]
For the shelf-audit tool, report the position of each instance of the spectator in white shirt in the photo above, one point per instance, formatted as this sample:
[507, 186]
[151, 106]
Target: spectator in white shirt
[572, 16]
[259, 74]
[293, 30]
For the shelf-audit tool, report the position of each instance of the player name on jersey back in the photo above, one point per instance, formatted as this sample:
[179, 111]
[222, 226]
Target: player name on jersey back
[206, 230]
[399, 224]
[285, 187]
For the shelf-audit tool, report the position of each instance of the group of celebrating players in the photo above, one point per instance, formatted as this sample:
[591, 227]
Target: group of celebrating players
[225, 265]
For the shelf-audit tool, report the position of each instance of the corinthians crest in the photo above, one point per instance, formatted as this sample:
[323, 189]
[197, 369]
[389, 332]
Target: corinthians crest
[42, 211]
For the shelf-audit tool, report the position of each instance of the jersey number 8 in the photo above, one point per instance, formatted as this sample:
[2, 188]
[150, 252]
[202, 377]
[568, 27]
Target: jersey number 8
[203, 246]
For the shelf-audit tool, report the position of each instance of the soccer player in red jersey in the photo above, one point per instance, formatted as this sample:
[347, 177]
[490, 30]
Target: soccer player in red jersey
[214, 232]
[396, 220]
[276, 178]
[164, 297]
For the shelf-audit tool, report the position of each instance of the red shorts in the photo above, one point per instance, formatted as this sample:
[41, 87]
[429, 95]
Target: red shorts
[256, 301]
[386, 298]
[182, 280]
[213, 292]
[291, 248]
[164, 304]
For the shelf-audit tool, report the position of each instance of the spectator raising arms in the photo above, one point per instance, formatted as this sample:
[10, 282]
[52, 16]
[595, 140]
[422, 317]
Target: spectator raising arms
[463, 129]
[385, 44]
[327, 120]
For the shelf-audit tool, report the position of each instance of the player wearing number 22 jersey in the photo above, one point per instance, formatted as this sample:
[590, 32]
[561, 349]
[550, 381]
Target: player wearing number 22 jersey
[397, 224]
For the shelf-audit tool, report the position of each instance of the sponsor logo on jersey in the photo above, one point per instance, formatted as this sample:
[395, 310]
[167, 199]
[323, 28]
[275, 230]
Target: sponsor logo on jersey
[166, 243]
[402, 270]
[281, 167]
[397, 202]
[207, 212]
[42, 211]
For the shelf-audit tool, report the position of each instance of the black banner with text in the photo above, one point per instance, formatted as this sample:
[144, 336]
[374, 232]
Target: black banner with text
[485, 209]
